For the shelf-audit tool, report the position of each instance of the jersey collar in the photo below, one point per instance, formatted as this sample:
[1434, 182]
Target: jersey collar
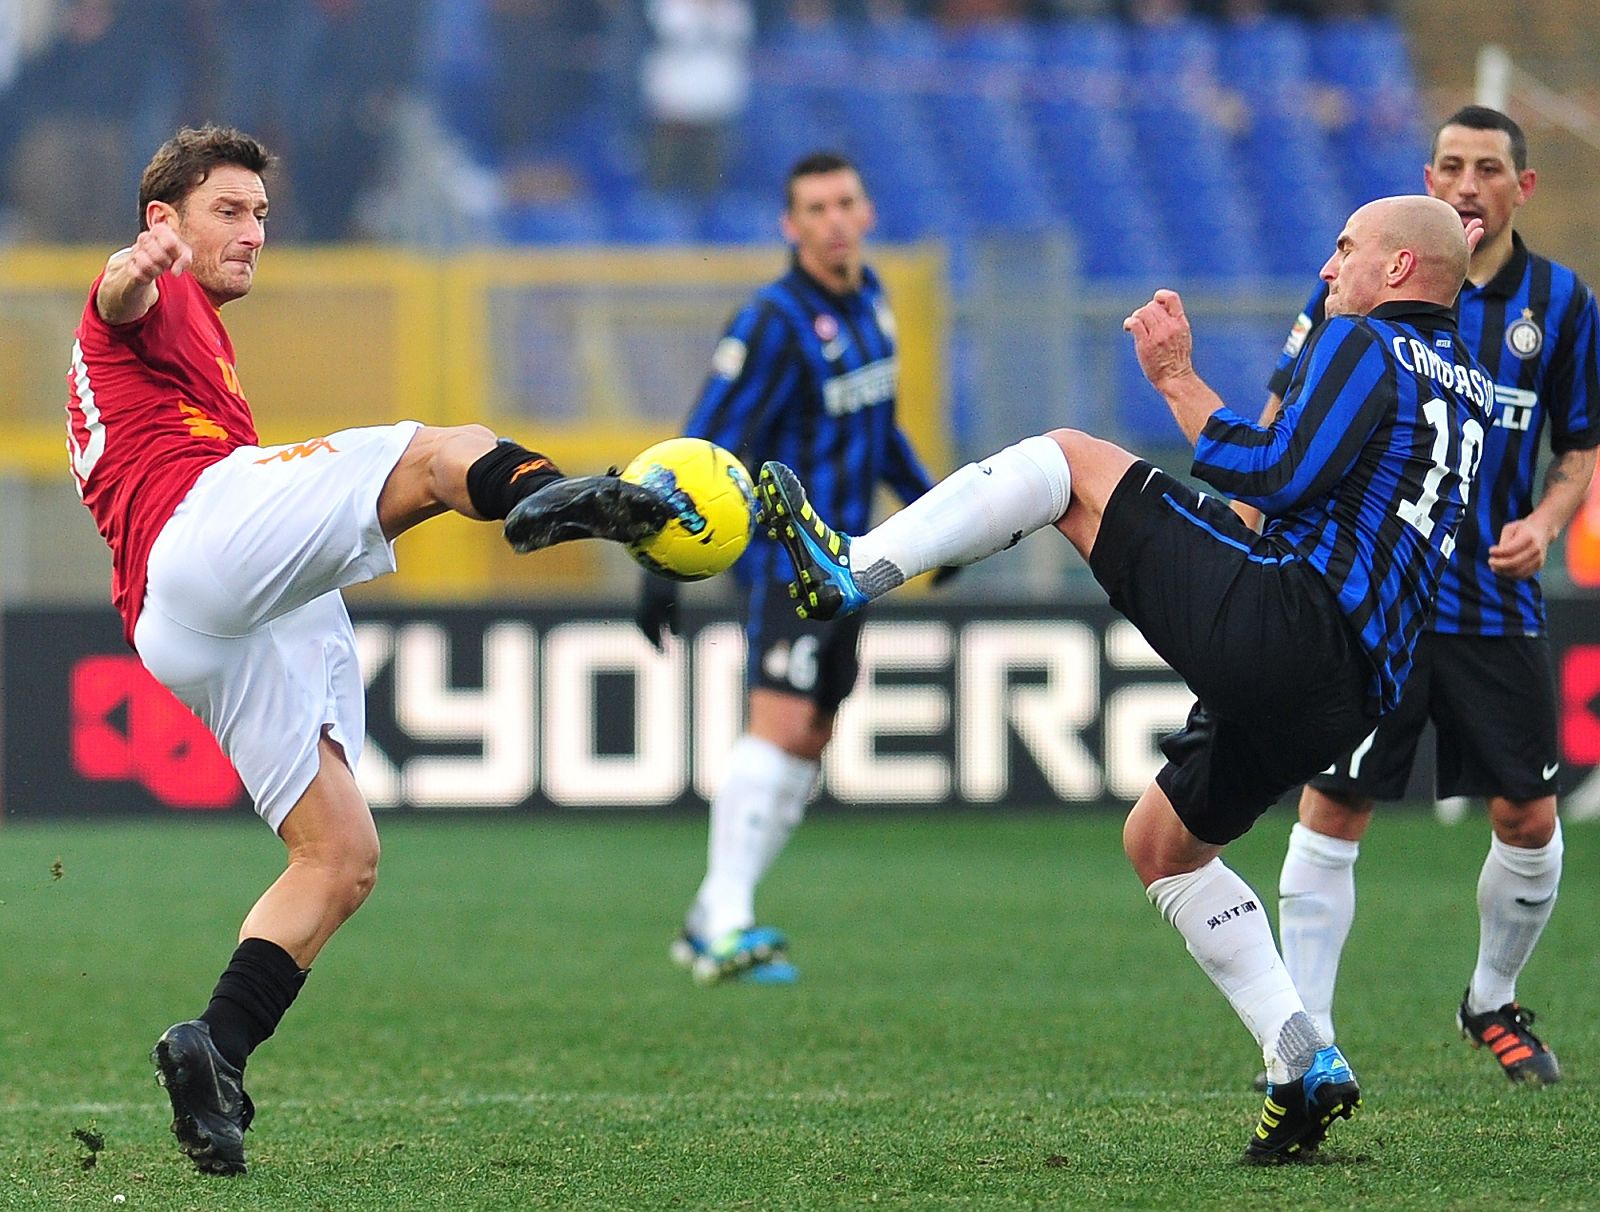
[869, 281]
[1427, 315]
[1509, 280]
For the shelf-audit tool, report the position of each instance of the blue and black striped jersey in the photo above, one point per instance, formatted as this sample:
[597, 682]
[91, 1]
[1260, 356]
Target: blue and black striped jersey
[1534, 328]
[810, 378]
[1366, 471]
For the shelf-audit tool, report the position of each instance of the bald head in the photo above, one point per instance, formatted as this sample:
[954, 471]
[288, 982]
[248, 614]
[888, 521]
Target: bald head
[1431, 229]
[1408, 247]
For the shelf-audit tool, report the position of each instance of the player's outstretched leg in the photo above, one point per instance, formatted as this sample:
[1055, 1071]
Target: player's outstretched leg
[978, 510]
[825, 586]
[1296, 1115]
[1508, 1032]
[585, 507]
[210, 1110]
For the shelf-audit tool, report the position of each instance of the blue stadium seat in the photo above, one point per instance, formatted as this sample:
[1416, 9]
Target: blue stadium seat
[999, 43]
[1176, 59]
[647, 217]
[569, 221]
[1363, 54]
[1265, 59]
[1089, 45]
[899, 41]
[742, 217]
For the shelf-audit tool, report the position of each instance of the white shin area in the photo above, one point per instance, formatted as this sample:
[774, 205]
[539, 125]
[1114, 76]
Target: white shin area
[754, 813]
[1316, 905]
[976, 511]
[1516, 895]
[1226, 929]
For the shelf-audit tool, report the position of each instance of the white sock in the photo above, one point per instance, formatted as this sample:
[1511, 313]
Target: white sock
[1516, 893]
[1227, 932]
[978, 510]
[1316, 904]
[753, 815]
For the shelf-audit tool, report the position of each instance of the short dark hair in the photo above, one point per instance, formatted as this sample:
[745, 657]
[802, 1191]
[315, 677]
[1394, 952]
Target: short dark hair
[185, 160]
[814, 165]
[1481, 117]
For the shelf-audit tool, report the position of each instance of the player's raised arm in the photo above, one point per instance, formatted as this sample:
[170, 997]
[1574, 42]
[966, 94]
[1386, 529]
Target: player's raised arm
[1164, 345]
[128, 289]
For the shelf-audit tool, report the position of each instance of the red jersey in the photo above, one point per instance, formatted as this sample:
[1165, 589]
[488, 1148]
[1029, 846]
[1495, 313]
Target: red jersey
[150, 405]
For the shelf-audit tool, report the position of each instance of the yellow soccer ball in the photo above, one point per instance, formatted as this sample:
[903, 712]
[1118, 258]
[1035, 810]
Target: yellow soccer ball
[713, 508]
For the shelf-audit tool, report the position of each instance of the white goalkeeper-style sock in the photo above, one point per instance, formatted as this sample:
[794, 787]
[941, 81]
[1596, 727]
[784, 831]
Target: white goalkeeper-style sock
[754, 813]
[1316, 904]
[976, 511]
[1516, 894]
[1225, 926]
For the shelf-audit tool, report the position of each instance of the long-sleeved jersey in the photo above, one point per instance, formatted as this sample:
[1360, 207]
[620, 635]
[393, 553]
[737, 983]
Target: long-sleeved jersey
[809, 377]
[1367, 469]
[1533, 326]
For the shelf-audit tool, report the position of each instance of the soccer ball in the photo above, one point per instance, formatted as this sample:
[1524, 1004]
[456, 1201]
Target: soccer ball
[713, 508]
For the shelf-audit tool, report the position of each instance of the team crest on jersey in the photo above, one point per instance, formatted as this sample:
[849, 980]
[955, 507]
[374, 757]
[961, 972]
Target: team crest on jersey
[728, 357]
[1524, 337]
[826, 327]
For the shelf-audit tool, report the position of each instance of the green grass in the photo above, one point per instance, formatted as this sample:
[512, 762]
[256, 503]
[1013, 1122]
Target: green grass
[991, 1016]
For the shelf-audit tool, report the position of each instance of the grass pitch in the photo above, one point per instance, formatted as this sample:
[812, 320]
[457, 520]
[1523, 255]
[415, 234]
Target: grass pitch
[990, 1016]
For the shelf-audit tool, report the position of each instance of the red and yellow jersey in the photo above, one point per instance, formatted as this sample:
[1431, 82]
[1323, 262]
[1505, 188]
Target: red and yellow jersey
[150, 405]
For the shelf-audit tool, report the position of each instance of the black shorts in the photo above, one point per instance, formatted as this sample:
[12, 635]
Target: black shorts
[814, 659]
[1492, 700]
[1282, 684]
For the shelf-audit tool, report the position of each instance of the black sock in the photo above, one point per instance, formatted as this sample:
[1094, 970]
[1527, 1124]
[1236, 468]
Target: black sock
[251, 997]
[501, 478]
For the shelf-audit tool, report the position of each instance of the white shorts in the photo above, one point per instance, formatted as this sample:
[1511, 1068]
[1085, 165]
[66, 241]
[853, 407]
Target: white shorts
[242, 617]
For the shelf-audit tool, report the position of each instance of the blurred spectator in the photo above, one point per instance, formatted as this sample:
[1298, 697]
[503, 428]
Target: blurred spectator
[112, 79]
[695, 80]
[362, 59]
[517, 81]
[979, 12]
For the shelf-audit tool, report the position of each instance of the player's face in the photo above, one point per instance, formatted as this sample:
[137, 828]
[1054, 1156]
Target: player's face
[1474, 172]
[1356, 273]
[224, 220]
[828, 222]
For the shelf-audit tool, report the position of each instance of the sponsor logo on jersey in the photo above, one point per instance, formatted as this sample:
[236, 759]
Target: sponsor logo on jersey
[873, 384]
[885, 316]
[1514, 407]
[1297, 335]
[200, 425]
[1524, 337]
[727, 360]
[300, 450]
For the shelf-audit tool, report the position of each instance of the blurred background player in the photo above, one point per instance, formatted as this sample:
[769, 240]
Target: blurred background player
[806, 373]
[1483, 673]
[1332, 593]
[228, 559]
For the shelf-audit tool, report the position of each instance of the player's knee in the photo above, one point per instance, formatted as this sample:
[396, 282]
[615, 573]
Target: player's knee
[355, 879]
[1142, 847]
[1335, 813]
[1525, 824]
[1071, 441]
[473, 435]
[348, 865]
